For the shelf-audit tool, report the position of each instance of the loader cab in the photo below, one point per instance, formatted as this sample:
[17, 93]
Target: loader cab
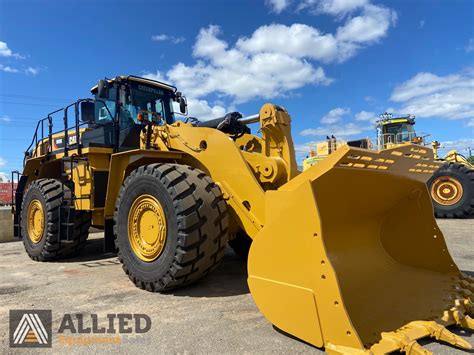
[392, 132]
[122, 105]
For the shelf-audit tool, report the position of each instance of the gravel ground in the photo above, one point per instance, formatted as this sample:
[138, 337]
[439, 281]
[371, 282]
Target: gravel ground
[217, 315]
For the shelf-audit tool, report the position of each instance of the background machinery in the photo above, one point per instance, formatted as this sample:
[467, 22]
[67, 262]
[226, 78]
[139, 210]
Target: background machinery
[322, 266]
[7, 189]
[451, 186]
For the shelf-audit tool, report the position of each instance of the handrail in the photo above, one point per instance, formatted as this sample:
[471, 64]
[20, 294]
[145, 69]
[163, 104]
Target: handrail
[35, 136]
[397, 138]
[40, 125]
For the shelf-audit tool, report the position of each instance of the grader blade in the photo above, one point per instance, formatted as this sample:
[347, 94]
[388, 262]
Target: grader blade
[351, 258]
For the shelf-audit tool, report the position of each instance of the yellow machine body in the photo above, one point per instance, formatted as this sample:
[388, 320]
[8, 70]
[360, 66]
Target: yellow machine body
[345, 256]
[451, 156]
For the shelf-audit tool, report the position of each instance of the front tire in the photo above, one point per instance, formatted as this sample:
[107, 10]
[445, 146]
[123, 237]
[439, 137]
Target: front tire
[452, 191]
[171, 226]
[39, 222]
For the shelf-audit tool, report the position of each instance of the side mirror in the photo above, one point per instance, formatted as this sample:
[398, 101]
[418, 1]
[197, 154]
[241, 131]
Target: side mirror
[103, 89]
[183, 105]
[87, 111]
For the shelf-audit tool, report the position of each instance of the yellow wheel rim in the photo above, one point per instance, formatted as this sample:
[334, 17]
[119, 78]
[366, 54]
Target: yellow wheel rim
[446, 190]
[147, 228]
[35, 217]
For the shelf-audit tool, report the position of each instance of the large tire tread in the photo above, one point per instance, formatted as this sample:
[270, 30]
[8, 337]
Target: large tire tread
[53, 248]
[201, 215]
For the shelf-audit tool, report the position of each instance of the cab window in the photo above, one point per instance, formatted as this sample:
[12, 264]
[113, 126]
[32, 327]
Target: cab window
[401, 132]
[105, 108]
[154, 104]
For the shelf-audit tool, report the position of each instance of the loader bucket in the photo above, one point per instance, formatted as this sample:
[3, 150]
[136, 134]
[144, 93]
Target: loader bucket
[351, 258]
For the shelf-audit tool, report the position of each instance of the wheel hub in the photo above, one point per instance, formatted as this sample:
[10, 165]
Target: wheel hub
[446, 190]
[147, 228]
[35, 217]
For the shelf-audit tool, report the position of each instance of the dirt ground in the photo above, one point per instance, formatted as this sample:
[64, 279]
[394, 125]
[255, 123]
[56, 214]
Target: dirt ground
[217, 315]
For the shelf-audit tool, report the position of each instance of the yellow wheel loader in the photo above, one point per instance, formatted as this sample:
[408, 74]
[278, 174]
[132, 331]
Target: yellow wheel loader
[451, 186]
[346, 256]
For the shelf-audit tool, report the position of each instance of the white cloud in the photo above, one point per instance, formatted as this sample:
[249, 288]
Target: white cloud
[5, 119]
[4, 50]
[159, 38]
[303, 41]
[240, 75]
[370, 26]
[3, 162]
[430, 95]
[366, 116]
[278, 6]
[32, 71]
[459, 144]
[272, 61]
[365, 23]
[469, 46]
[7, 52]
[335, 115]
[28, 70]
[201, 109]
[395, 111]
[164, 38]
[338, 8]
[332, 124]
[297, 40]
[158, 76]
[276, 59]
[332, 7]
[338, 130]
[8, 69]
[470, 123]
[4, 177]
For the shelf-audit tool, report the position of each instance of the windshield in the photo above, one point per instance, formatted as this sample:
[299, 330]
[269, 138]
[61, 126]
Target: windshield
[400, 132]
[154, 104]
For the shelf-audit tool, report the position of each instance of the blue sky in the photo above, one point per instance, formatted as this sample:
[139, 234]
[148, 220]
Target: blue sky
[334, 64]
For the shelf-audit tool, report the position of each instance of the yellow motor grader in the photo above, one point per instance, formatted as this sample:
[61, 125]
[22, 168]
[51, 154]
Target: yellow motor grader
[451, 186]
[324, 265]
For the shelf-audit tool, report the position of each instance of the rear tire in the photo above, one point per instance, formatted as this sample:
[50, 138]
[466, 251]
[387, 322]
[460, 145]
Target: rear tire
[452, 177]
[48, 194]
[194, 220]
